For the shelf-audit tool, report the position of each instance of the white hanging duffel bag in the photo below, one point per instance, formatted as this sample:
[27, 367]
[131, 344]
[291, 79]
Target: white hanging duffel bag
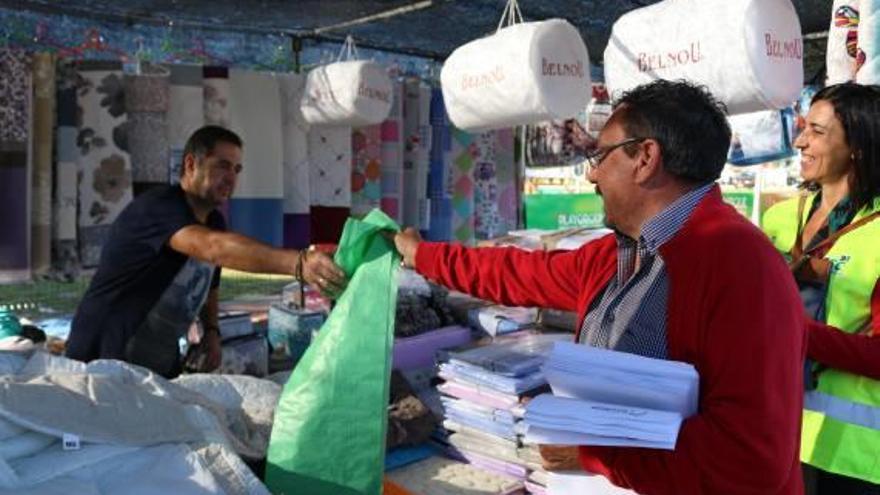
[347, 93]
[524, 73]
[749, 53]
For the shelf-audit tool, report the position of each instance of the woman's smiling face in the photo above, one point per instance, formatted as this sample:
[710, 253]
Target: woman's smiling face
[825, 154]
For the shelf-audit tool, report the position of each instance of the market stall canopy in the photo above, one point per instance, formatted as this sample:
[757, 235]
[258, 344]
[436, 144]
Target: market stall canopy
[430, 28]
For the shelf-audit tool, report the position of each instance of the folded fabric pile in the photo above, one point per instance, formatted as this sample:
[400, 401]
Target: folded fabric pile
[482, 399]
[604, 397]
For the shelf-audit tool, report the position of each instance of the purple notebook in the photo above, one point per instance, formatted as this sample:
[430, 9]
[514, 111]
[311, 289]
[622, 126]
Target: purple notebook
[418, 351]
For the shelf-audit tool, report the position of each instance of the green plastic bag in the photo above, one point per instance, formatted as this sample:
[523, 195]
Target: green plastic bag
[328, 437]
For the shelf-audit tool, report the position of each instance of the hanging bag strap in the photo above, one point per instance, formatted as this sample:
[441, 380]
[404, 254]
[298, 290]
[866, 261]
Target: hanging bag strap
[348, 51]
[512, 15]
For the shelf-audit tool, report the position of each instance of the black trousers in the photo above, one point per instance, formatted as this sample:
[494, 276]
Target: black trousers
[819, 482]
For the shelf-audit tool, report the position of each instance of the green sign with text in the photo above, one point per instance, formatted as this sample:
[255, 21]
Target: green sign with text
[565, 211]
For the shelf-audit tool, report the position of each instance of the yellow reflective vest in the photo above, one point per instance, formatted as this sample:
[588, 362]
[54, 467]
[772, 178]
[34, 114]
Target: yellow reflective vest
[841, 424]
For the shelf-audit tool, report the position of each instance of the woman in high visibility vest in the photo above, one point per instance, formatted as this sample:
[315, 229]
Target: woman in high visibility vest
[831, 235]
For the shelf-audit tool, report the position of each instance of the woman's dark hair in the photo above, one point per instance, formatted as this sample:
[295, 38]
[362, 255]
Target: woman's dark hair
[857, 106]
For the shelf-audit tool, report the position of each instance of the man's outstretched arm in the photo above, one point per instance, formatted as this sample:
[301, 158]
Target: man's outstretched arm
[231, 250]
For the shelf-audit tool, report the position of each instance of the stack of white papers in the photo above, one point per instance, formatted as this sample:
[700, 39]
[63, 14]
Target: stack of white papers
[563, 421]
[601, 375]
[603, 397]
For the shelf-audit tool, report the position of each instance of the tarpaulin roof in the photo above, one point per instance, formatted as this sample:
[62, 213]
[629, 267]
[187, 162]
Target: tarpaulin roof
[431, 28]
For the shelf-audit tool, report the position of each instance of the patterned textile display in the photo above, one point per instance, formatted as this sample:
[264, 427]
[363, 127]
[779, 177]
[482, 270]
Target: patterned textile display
[186, 113]
[41, 172]
[417, 146]
[508, 183]
[146, 103]
[15, 122]
[439, 180]
[104, 170]
[466, 153]
[65, 257]
[295, 161]
[843, 41]
[868, 54]
[366, 169]
[330, 166]
[486, 218]
[392, 156]
[255, 115]
[330, 178]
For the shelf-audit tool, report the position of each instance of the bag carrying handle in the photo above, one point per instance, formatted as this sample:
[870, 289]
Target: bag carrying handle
[512, 15]
[348, 51]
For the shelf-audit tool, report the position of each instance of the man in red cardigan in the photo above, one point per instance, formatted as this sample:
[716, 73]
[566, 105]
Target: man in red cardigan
[684, 277]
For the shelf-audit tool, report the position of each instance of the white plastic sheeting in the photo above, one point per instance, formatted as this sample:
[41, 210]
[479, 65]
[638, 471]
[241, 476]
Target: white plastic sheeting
[110, 427]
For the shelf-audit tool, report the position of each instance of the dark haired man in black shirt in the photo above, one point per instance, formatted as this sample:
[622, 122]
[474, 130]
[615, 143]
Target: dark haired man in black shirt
[160, 266]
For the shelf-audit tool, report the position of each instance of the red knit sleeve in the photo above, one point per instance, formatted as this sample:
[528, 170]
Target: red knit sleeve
[510, 276]
[854, 353]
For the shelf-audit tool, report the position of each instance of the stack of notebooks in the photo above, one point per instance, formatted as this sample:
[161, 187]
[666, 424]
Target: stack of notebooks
[603, 397]
[482, 399]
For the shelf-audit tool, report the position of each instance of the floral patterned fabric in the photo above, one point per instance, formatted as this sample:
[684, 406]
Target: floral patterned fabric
[105, 185]
[366, 169]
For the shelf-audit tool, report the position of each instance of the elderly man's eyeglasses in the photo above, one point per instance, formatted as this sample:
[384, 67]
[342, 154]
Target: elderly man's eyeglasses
[596, 157]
